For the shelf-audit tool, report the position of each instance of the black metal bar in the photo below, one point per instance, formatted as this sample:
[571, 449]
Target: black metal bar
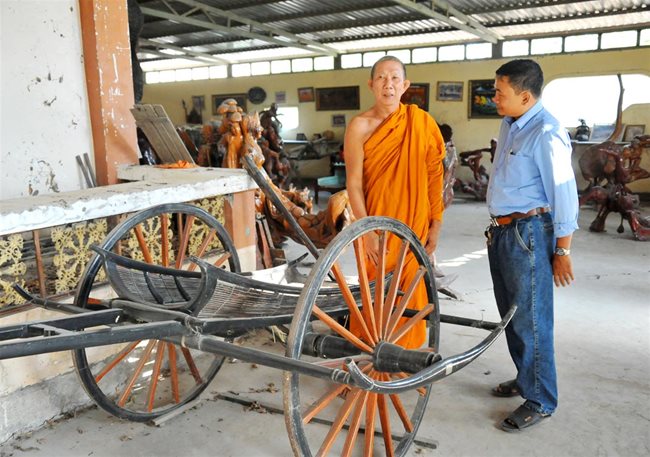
[49, 304]
[261, 181]
[76, 322]
[216, 346]
[456, 320]
[85, 339]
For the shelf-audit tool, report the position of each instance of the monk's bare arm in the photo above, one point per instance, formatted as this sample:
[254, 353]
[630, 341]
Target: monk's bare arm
[435, 170]
[353, 147]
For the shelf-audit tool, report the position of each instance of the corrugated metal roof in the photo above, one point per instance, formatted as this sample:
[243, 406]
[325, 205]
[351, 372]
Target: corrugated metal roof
[231, 30]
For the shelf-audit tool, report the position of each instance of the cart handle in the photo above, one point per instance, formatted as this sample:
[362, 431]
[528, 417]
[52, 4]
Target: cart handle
[431, 374]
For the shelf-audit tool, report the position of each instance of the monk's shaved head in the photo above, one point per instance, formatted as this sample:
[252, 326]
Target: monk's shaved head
[387, 59]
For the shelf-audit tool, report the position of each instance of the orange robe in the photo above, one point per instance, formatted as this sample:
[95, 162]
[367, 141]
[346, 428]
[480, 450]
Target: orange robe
[403, 179]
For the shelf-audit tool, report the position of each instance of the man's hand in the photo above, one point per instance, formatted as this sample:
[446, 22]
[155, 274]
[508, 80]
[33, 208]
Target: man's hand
[371, 243]
[432, 238]
[562, 270]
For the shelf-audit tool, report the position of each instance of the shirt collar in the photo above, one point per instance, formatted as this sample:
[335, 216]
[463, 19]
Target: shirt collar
[527, 116]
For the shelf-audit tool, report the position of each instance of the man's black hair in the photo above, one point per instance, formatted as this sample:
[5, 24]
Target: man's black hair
[523, 74]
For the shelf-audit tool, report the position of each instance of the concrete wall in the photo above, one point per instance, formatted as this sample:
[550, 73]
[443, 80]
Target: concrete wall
[44, 121]
[468, 133]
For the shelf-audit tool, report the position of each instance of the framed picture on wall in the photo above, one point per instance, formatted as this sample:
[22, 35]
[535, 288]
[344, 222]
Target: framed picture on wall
[219, 99]
[481, 93]
[417, 94]
[305, 94]
[338, 120]
[337, 98]
[633, 130]
[449, 91]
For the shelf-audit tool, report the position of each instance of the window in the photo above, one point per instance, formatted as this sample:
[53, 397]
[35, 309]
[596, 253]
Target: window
[240, 69]
[478, 51]
[515, 48]
[167, 76]
[219, 72]
[280, 66]
[324, 63]
[453, 52]
[184, 74]
[350, 60]
[300, 65]
[369, 58]
[581, 43]
[611, 40]
[261, 68]
[423, 55]
[570, 99]
[645, 37]
[200, 73]
[546, 45]
[289, 117]
[152, 77]
[402, 54]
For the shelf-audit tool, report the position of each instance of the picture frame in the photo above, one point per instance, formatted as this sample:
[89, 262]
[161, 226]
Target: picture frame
[217, 100]
[198, 102]
[417, 94]
[601, 132]
[449, 91]
[481, 105]
[338, 120]
[337, 98]
[281, 97]
[305, 94]
[633, 130]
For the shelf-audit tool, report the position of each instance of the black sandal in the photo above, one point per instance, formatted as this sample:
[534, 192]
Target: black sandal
[506, 389]
[522, 418]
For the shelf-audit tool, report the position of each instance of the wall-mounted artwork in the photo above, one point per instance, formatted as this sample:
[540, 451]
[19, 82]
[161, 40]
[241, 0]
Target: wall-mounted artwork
[481, 93]
[417, 94]
[337, 98]
[219, 99]
[633, 130]
[449, 91]
[281, 97]
[306, 94]
[338, 120]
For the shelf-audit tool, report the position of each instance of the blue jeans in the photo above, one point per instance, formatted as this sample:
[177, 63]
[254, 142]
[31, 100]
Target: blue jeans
[520, 256]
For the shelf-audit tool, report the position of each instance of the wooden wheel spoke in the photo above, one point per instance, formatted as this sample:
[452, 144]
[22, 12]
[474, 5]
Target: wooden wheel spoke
[339, 421]
[324, 400]
[143, 244]
[204, 246]
[410, 323]
[190, 363]
[401, 411]
[394, 285]
[353, 431]
[185, 239]
[384, 419]
[364, 287]
[349, 300]
[164, 239]
[371, 413]
[153, 383]
[171, 350]
[379, 282]
[403, 303]
[221, 260]
[117, 359]
[338, 328]
[143, 360]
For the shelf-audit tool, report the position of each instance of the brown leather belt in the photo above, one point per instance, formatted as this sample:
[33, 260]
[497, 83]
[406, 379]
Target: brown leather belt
[509, 218]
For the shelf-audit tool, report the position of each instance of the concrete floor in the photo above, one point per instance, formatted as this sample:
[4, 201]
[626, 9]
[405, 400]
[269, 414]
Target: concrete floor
[603, 358]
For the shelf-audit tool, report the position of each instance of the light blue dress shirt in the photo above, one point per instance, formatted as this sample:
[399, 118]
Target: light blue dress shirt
[532, 169]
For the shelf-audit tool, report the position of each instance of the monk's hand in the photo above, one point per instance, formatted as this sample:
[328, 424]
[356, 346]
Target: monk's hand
[432, 242]
[371, 243]
[562, 270]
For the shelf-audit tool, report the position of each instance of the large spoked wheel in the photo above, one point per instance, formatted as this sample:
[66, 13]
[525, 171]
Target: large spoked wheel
[142, 380]
[324, 418]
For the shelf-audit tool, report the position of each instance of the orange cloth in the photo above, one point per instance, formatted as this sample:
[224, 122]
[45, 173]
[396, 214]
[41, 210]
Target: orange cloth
[403, 179]
[177, 164]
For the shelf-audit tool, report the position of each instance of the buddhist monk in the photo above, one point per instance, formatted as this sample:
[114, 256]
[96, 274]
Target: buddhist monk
[393, 157]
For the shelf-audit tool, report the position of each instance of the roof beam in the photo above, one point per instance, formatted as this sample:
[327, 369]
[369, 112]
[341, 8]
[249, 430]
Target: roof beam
[194, 55]
[290, 40]
[452, 17]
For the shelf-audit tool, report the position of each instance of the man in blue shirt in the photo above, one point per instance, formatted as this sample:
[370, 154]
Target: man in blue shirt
[533, 204]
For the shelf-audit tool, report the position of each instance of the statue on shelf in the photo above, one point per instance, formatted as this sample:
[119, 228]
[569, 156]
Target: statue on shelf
[321, 227]
[450, 163]
[231, 133]
[582, 131]
[276, 161]
[608, 168]
[472, 159]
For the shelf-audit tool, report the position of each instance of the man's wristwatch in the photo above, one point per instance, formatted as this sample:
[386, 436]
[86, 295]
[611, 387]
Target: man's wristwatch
[562, 251]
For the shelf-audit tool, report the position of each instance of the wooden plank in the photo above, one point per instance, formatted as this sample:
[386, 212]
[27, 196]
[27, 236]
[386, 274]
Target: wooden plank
[159, 130]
